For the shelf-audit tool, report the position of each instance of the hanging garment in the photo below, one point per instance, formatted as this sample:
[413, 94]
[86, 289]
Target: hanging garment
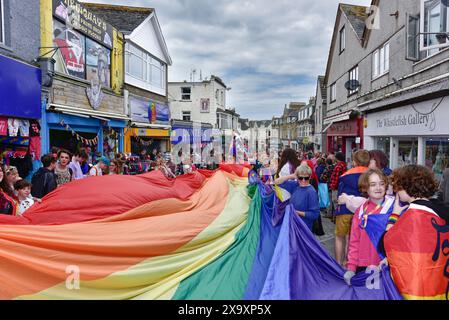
[24, 128]
[35, 147]
[13, 127]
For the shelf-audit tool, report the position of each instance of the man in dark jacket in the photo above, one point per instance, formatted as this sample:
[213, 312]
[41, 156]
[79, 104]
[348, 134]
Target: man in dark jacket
[44, 180]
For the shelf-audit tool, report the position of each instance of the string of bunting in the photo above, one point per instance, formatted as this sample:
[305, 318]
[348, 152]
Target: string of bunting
[143, 142]
[89, 142]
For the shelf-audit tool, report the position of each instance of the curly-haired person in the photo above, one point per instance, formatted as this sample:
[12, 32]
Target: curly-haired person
[417, 266]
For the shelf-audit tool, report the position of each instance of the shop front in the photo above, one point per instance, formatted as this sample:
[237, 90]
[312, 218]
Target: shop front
[20, 110]
[150, 126]
[85, 106]
[345, 136]
[412, 134]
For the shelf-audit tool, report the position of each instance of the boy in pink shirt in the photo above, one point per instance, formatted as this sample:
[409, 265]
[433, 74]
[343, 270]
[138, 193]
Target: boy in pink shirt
[362, 253]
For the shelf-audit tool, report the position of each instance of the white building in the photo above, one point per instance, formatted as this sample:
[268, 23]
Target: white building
[198, 101]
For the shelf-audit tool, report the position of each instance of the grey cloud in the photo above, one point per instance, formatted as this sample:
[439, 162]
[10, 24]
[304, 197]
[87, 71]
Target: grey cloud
[275, 38]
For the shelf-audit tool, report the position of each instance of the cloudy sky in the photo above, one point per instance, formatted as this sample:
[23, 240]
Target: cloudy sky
[269, 52]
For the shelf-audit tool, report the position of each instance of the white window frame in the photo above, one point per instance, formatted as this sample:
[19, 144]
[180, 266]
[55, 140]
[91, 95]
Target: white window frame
[333, 92]
[342, 37]
[381, 61]
[184, 94]
[353, 75]
[422, 26]
[2, 22]
[148, 63]
[187, 114]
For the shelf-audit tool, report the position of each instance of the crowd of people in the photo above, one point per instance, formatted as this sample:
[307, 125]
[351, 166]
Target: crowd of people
[355, 197]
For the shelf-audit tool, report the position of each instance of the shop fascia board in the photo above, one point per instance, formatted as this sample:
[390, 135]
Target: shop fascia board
[338, 117]
[435, 86]
[150, 125]
[90, 113]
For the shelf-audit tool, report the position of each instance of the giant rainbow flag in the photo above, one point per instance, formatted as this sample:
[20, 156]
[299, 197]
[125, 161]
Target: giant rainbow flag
[207, 235]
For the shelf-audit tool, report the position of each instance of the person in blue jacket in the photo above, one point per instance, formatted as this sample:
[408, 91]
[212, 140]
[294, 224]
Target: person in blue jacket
[303, 195]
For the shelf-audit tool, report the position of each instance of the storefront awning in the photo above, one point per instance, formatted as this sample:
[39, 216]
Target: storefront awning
[150, 125]
[338, 117]
[84, 112]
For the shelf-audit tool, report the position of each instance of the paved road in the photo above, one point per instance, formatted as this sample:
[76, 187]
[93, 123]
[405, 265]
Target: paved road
[328, 240]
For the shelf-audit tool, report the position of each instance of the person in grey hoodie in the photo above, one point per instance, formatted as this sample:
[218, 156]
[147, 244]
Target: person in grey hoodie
[443, 192]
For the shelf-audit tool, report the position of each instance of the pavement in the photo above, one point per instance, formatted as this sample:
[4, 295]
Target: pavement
[328, 240]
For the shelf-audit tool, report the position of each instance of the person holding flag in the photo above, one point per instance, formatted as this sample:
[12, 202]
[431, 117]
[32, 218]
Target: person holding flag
[369, 223]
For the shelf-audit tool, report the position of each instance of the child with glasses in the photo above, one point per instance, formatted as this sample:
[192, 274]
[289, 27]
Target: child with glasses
[304, 198]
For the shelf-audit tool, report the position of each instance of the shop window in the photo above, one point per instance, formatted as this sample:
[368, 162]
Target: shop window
[408, 152]
[437, 155]
[383, 144]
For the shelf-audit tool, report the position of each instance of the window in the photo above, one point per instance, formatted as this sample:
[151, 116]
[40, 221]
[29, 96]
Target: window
[186, 116]
[216, 95]
[412, 37]
[2, 23]
[342, 39]
[353, 76]
[185, 92]
[333, 92]
[434, 20]
[141, 65]
[381, 61]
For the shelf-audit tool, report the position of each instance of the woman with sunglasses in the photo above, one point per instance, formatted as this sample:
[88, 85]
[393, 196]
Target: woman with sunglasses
[362, 250]
[8, 205]
[304, 197]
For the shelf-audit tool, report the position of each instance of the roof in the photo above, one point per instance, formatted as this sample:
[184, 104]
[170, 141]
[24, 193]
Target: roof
[244, 124]
[125, 19]
[357, 16]
[293, 113]
[260, 123]
[322, 85]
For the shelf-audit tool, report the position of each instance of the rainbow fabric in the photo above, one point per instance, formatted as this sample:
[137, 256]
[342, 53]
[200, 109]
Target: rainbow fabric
[418, 251]
[207, 235]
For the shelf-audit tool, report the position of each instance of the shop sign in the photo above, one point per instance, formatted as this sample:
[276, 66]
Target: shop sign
[428, 117]
[20, 89]
[77, 17]
[343, 128]
[146, 111]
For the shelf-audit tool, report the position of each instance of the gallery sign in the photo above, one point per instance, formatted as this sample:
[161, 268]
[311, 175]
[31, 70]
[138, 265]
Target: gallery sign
[424, 118]
[76, 16]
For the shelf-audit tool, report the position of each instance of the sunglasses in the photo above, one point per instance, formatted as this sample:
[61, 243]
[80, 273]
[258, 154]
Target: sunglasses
[303, 178]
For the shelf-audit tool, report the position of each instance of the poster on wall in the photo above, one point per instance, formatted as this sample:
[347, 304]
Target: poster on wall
[98, 63]
[70, 56]
[139, 110]
[205, 106]
[76, 16]
[159, 113]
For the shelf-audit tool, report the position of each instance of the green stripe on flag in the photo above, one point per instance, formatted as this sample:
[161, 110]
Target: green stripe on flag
[226, 277]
